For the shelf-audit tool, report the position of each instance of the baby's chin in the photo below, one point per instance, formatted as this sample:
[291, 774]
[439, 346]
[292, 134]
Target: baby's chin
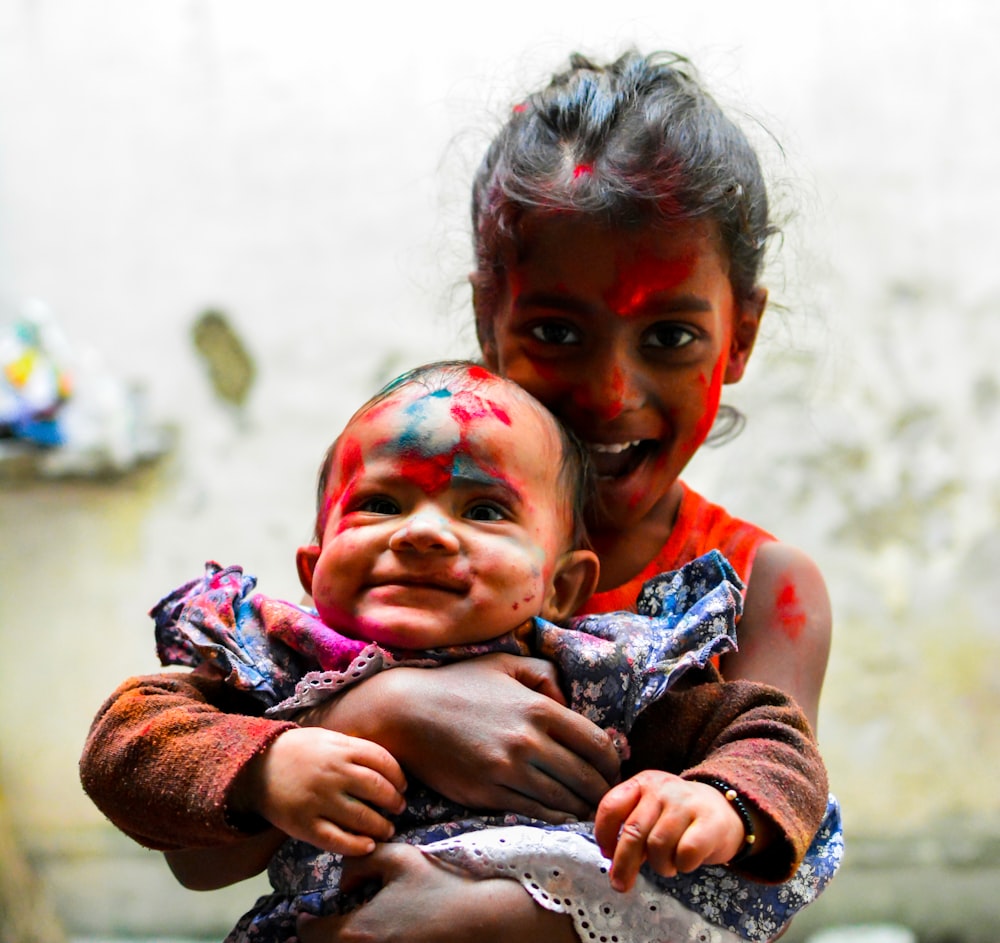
[418, 629]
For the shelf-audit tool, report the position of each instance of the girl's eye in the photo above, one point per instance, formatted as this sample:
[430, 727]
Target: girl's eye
[379, 505]
[669, 335]
[484, 512]
[555, 332]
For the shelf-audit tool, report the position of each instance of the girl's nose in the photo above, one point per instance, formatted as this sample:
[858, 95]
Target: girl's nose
[424, 532]
[613, 386]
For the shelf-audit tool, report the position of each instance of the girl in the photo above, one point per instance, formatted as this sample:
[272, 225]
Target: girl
[620, 220]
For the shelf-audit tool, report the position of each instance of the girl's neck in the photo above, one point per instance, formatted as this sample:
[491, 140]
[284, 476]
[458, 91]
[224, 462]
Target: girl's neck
[625, 553]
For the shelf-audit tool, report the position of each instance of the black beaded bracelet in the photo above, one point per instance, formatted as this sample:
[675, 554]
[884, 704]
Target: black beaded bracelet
[734, 799]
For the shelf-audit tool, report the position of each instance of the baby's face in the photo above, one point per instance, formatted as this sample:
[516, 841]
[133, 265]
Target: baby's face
[445, 517]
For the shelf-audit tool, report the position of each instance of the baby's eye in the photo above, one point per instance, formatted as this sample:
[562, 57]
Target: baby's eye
[379, 505]
[484, 511]
[555, 332]
[669, 335]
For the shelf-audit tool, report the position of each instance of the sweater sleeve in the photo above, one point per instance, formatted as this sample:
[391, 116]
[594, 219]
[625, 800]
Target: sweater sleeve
[163, 754]
[755, 738]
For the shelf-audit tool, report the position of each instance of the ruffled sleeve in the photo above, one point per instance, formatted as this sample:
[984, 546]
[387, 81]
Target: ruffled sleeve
[617, 663]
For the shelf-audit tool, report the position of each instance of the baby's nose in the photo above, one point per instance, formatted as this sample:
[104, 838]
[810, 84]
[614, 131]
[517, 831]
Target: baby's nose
[425, 533]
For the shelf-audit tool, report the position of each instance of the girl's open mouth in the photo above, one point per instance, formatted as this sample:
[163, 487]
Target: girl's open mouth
[618, 459]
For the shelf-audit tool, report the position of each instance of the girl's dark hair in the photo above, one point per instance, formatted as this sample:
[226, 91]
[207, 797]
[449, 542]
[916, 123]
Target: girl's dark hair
[575, 474]
[634, 142]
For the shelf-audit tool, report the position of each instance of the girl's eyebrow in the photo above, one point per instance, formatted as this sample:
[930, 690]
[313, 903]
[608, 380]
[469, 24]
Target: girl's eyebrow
[547, 299]
[664, 302]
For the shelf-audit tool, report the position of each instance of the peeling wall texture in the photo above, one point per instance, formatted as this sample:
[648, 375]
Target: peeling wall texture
[257, 213]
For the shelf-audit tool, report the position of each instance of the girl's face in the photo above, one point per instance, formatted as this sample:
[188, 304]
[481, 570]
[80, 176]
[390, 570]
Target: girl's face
[628, 337]
[446, 523]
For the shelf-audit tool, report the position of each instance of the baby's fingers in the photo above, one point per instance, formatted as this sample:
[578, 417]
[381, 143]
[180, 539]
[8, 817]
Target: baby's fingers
[614, 808]
[696, 847]
[381, 762]
[373, 788]
[331, 837]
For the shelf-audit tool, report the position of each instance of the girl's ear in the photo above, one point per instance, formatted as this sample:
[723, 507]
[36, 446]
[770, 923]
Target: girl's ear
[306, 559]
[747, 324]
[573, 583]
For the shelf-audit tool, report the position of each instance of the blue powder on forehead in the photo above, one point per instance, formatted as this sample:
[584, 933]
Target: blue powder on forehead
[464, 469]
[413, 438]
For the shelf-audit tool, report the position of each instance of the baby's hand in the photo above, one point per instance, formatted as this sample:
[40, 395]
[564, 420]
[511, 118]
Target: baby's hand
[674, 824]
[321, 786]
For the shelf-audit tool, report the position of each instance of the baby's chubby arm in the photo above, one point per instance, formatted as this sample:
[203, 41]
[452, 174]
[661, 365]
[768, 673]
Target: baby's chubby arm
[752, 737]
[313, 784]
[675, 824]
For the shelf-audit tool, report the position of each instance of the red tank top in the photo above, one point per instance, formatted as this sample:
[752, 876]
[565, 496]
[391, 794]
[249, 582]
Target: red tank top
[700, 526]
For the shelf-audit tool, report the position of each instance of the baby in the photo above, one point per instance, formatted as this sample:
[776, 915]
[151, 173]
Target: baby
[449, 526]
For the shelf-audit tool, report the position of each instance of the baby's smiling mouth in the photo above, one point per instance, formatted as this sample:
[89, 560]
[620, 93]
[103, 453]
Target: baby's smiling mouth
[617, 459]
[406, 581]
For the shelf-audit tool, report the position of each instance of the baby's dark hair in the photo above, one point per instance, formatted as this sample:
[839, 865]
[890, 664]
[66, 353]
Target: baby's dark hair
[634, 142]
[575, 473]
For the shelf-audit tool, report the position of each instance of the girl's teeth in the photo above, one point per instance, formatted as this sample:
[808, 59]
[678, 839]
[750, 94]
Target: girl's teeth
[613, 447]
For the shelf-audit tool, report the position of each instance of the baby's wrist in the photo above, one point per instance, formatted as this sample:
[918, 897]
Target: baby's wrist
[743, 811]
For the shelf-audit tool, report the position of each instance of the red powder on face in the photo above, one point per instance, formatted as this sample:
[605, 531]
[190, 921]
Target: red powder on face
[479, 374]
[710, 392]
[430, 473]
[350, 458]
[788, 608]
[611, 401]
[644, 277]
[467, 407]
[349, 463]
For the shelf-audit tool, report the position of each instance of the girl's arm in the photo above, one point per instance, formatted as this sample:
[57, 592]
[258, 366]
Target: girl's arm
[208, 869]
[784, 635]
[489, 733]
[165, 753]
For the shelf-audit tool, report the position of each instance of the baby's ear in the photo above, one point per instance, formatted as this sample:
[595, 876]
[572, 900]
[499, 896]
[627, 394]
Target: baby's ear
[573, 583]
[306, 559]
[746, 324]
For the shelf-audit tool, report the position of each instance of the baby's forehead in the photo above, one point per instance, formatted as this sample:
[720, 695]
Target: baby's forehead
[461, 403]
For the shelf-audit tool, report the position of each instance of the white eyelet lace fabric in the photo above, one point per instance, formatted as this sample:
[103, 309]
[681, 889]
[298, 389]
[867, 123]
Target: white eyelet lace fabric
[566, 873]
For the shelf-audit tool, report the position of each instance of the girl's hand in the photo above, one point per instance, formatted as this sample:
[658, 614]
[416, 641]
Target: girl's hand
[490, 733]
[674, 824]
[424, 901]
[320, 786]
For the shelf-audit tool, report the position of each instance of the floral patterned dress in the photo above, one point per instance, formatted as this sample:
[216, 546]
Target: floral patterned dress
[614, 665]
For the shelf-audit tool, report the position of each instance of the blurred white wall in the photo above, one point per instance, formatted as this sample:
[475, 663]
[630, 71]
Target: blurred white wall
[306, 168]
